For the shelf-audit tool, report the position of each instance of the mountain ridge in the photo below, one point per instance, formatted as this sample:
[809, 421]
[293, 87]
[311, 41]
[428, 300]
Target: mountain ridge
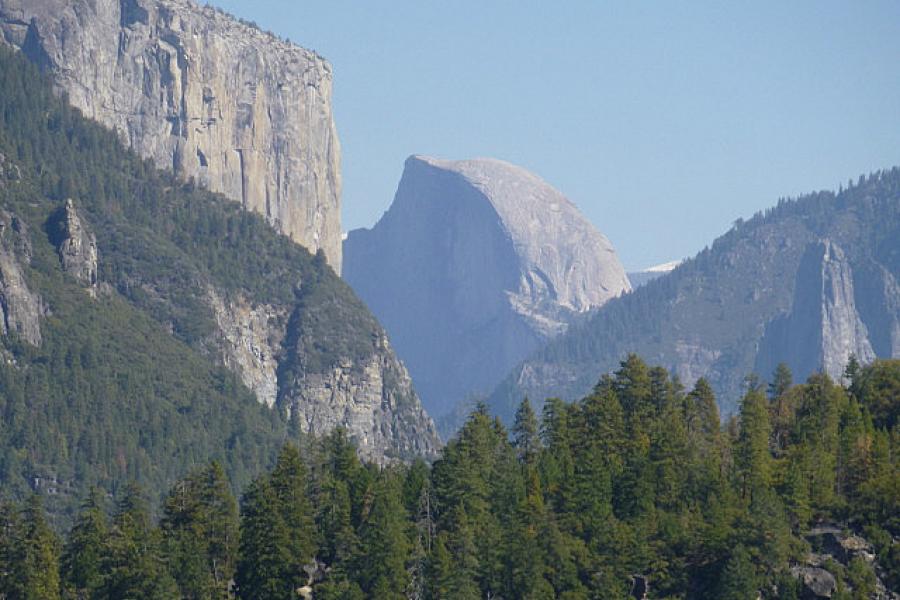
[708, 317]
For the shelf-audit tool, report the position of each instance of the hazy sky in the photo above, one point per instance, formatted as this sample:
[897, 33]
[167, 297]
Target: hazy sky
[663, 122]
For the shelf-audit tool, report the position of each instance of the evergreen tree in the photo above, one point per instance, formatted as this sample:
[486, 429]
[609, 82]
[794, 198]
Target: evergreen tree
[134, 564]
[739, 580]
[851, 371]
[383, 567]
[782, 379]
[525, 433]
[753, 460]
[83, 556]
[288, 482]
[557, 466]
[200, 528]
[12, 552]
[40, 567]
[461, 582]
[264, 568]
[528, 560]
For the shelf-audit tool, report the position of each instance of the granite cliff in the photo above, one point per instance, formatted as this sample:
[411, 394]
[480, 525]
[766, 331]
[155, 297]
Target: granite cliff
[21, 308]
[194, 90]
[475, 265]
[809, 283]
[96, 243]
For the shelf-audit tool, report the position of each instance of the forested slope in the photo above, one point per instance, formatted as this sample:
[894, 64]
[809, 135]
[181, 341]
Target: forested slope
[809, 283]
[120, 376]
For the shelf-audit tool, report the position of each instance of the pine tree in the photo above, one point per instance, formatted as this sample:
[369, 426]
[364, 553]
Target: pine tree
[200, 528]
[133, 562]
[703, 415]
[289, 481]
[739, 580]
[12, 552]
[383, 568]
[83, 557]
[525, 433]
[557, 466]
[598, 431]
[753, 460]
[264, 567]
[782, 380]
[461, 582]
[851, 371]
[41, 553]
[633, 386]
[528, 546]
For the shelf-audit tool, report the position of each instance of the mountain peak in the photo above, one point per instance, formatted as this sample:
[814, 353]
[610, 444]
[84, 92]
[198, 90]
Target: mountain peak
[476, 264]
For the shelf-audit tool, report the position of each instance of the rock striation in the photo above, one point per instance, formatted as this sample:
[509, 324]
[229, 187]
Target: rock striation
[217, 100]
[77, 247]
[20, 308]
[476, 264]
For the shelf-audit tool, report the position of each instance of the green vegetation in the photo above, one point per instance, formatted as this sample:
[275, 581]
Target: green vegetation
[636, 479]
[713, 310]
[126, 386]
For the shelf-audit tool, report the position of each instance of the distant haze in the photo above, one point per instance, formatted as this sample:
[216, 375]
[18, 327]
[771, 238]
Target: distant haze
[662, 122]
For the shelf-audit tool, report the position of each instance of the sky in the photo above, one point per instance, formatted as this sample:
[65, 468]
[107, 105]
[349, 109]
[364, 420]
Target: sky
[663, 122]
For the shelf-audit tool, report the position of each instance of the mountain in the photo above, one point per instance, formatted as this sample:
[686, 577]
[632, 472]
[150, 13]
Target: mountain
[473, 267]
[217, 100]
[809, 283]
[639, 278]
[147, 323]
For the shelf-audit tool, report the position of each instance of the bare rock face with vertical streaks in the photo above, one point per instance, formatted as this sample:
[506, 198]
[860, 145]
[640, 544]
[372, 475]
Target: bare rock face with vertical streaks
[20, 308]
[236, 109]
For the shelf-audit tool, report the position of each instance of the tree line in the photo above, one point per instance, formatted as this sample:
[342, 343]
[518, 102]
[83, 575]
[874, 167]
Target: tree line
[638, 479]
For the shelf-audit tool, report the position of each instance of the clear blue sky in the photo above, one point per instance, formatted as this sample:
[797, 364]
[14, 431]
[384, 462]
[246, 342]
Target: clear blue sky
[663, 122]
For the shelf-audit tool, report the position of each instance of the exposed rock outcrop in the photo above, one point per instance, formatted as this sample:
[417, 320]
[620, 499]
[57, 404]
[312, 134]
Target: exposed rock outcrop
[20, 308]
[77, 247]
[374, 401]
[476, 263]
[816, 582]
[193, 89]
[833, 549]
[252, 338]
[823, 328]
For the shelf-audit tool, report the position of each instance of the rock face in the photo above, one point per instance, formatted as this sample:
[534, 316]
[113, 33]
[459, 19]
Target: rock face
[808, 283]
[372, 398]
[823, 328]
[832, 545]
[77, 247]
[251, 336]
[375, 401]
[238, 110]
[816, 582]
[20, 308]
[476, 264]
